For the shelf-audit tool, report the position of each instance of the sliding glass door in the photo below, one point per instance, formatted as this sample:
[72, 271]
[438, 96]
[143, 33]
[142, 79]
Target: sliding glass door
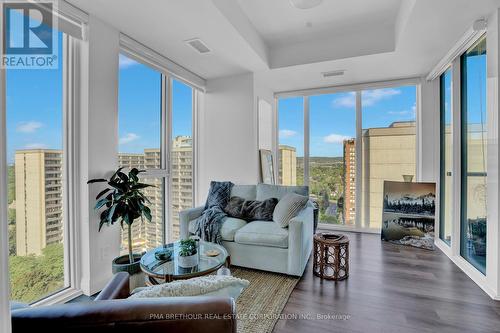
[474, 154]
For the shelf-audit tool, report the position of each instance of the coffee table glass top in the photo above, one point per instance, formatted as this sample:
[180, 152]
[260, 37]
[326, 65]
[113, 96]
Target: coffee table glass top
[162, 268]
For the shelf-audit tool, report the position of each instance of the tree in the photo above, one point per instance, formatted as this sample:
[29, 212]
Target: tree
[12, 240]
[33, 277]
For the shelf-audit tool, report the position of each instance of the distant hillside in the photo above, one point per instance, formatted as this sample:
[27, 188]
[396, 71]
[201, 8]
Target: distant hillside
[317, 160]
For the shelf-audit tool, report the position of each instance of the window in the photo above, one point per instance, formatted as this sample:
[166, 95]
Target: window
[327, 125]
[474, 154]
[36, 160]
[291, 141]
[156, 135]
[332, 156]
[181, 153]
[446, 152]
[139, 123]
[388, 145]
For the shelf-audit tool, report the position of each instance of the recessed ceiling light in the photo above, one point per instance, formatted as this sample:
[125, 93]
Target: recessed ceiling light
[333, 73]
[198, 45]
[305, 4]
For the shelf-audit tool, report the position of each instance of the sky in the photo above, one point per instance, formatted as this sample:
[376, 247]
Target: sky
[332, 117]
[34, 107]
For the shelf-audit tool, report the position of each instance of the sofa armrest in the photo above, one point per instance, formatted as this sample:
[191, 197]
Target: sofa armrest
[187, 215]
[152, 315]
[300, 233]
[117, 288]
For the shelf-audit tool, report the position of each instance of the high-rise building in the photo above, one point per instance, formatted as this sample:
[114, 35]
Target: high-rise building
[39, 216]
[182, 179]
[147, 234]
[287, 165]
[388, 153]
[349, 213]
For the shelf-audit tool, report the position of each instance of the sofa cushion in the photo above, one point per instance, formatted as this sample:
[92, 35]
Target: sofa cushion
[247, 192]
[288, 207]
[251, 210]
[227, 230]
[262, 233]
[266, 191]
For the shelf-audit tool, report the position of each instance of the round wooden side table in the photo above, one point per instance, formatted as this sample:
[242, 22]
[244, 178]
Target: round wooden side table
[331, 256]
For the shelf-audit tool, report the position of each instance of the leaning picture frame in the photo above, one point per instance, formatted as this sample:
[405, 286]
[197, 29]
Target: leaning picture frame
[267, 166]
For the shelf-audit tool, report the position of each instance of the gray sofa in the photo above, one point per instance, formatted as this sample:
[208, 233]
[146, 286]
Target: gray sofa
[263, 244]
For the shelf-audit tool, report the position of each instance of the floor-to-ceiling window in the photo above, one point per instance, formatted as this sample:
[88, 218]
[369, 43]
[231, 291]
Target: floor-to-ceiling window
[291, 141]
[156, 117]
[446, 157]
[388, 146]
[181, 153]
[474, 155]
[332, 162]
[37, 132]
[139, 135]
[352, 142]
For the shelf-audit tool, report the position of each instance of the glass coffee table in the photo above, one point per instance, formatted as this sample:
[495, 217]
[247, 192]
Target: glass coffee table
[159, 271]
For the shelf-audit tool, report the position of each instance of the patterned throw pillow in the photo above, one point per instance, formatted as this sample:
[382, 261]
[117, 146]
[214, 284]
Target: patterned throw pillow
[218, 194]
[251, 210]
[288, 207]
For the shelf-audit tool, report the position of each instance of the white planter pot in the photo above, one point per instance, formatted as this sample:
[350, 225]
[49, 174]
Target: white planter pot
[189, 261]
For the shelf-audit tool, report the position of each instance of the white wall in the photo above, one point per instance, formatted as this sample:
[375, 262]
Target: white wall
[99, 150]
[227, 134]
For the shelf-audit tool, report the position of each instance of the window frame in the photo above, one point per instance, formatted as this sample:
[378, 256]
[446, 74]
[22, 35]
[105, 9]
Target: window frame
[442, 141]
[359, 225]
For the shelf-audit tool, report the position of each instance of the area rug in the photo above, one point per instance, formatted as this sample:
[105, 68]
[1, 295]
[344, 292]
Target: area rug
[259, 306]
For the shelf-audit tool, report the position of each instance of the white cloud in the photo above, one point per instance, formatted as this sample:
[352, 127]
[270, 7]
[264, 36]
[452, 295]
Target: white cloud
[347, 101]
[126, 62]
[286, 133]
[335, 138]
[36, 145]
[129, 137]
[401, 113]
[28, 126]
[369, 97]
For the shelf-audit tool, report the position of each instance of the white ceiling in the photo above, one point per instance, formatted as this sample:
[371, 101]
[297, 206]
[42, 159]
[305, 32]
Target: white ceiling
[371, 40]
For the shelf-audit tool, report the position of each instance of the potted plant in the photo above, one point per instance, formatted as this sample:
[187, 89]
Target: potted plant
[125, 203]
[188, 253]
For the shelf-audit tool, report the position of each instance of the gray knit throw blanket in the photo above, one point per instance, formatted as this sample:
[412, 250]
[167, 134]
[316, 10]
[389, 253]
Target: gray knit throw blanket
[209, 223]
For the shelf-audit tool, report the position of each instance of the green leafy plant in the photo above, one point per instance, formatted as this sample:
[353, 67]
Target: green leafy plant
[187, 247]
[124, 202]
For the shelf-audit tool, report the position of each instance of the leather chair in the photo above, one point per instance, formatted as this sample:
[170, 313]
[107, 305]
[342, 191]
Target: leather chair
[112, 312]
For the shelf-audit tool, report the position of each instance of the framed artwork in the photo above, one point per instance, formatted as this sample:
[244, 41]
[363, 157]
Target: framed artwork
[267, 166]
[408, 214]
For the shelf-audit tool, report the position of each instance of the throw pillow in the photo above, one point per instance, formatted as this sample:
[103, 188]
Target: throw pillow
[288, 207]
[209, 285]
[218, 194]
[251, 210]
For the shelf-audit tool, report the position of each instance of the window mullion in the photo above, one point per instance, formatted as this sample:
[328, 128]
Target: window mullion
[306, 140]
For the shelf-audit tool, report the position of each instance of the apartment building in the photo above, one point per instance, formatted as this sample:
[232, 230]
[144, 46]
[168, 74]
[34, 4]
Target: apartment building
[39, 195]
[287, 165]
[147, 234]
[349, 181]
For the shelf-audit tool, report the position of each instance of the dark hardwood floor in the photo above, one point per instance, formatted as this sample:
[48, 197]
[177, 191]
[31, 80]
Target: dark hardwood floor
[392, 289]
